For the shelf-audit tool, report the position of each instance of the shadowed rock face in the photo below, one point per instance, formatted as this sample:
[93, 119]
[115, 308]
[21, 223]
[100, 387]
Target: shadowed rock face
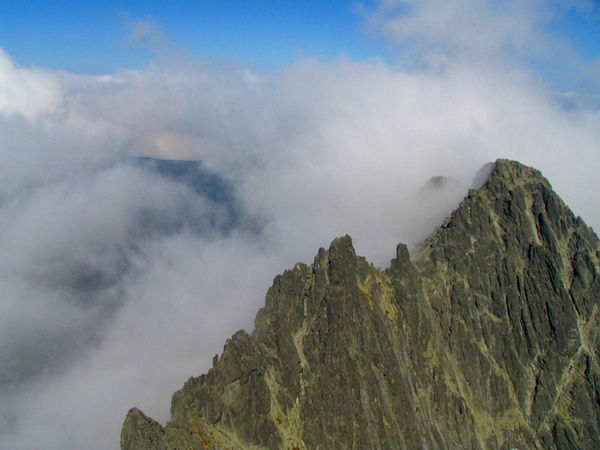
[486, 339]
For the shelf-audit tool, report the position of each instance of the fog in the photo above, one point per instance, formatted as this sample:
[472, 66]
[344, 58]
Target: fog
[119, 280]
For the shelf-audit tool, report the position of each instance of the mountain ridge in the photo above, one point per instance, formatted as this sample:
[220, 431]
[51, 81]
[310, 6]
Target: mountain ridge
[486, 338]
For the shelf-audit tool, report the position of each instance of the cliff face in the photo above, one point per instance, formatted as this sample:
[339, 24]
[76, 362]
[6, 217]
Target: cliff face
[487, 339]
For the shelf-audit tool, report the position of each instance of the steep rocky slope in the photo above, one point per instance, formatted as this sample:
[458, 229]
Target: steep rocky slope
[486, 339]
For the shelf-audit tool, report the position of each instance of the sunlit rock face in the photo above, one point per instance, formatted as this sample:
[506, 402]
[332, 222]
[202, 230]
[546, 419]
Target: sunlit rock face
[484, 338]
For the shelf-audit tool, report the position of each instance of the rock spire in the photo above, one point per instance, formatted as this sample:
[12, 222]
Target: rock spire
[487, 338]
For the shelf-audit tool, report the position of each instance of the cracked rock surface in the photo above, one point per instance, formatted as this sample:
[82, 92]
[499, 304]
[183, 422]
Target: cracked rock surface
[487, 338]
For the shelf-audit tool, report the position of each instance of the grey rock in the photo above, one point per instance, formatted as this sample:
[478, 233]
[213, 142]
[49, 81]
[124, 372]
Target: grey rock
[487, 338]
[141, 432]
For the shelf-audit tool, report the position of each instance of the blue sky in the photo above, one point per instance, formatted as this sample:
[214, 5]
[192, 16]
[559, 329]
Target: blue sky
[582, 29]
[93, 37]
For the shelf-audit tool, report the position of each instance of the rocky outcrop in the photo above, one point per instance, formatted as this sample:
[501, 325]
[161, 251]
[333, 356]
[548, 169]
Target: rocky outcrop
[487, 338]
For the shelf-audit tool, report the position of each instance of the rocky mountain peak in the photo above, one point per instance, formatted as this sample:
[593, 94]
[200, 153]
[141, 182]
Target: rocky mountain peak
[487, 338]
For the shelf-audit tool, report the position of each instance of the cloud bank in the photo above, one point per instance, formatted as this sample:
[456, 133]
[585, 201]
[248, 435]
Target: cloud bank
[120, 282]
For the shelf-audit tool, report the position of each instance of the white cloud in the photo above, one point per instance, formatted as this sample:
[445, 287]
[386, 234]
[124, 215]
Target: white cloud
[317, 150]
[464, 28]
[175, 317]
[485, 31]
[28, 92]
[147, 33]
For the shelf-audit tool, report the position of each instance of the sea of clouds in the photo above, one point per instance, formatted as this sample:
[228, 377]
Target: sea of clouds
[119, 283]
